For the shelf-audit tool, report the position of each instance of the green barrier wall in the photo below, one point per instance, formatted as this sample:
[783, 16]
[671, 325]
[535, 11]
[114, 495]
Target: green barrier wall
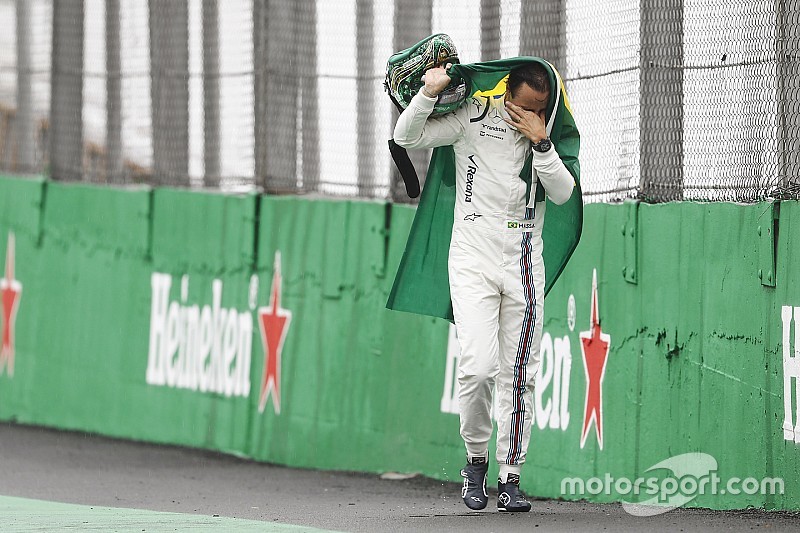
[695, 363]
[256, 326]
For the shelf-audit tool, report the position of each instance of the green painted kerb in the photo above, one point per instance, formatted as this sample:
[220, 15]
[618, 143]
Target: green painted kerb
[22, 514]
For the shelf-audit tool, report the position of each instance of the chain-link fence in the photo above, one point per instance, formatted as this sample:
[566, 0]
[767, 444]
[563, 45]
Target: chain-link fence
[675, 99]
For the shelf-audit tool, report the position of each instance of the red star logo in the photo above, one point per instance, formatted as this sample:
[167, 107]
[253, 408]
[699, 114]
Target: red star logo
[594, 346]
[273, 321]
[10, 291]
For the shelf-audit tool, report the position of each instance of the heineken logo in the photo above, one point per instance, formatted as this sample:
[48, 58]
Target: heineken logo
[273, 321]
[202, 348]
[209, 348]
[595, 347]
[10, 293]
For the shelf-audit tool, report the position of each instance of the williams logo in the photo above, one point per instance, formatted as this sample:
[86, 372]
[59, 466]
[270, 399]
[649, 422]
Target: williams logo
[274, 324]
[471, 170]
[10, 292]
[594, 346]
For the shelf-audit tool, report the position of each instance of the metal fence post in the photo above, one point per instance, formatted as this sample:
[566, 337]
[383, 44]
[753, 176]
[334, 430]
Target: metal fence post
[278, 143]
[490, 29]
[169, 63]
[306, 57]
[26, 149]
[542, 31]
[66, 95]
[114, 167]
[259, 92]
[412, 23]
[211, 118]
[661, 100]
[787, 49]
[365, 118]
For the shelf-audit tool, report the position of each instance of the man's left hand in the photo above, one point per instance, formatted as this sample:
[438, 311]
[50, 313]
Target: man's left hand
[529, 123]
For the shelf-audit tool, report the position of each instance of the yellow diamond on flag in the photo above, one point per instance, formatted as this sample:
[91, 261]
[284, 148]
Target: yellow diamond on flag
[498, 90]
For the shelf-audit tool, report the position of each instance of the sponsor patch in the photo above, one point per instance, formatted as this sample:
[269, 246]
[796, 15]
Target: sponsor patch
[522, 226]
[471, 170]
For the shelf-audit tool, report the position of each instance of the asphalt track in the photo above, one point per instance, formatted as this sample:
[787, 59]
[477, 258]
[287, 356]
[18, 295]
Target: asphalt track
[54, 481]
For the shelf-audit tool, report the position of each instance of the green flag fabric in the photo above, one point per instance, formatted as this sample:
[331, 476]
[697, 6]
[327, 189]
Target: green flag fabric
[421, 285]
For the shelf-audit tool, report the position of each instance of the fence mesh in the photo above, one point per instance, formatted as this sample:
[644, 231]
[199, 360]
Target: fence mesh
[675, 99]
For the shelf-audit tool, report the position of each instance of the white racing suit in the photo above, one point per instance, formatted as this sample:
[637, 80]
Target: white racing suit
[495, 264]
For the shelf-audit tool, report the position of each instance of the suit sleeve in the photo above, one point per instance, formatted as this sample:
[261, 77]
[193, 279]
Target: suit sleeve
[553, 175]
[417, 129]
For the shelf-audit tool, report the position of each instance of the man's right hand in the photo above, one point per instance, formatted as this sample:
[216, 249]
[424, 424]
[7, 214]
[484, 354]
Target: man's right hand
[436, 80]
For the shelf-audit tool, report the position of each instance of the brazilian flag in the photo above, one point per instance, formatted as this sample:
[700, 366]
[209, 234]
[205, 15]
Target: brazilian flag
[421, 285]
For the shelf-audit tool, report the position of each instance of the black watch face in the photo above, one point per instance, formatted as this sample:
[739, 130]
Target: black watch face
[542, 146]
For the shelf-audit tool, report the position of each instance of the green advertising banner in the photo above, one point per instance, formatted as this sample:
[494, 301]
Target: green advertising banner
[356, 381]
[669, 369]
[256, 326]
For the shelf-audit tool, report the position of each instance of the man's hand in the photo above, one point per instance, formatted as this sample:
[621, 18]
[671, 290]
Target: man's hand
[436, 80]
[530, 124]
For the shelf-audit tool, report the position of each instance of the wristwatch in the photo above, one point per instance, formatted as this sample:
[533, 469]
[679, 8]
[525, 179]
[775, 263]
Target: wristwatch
[542, 146]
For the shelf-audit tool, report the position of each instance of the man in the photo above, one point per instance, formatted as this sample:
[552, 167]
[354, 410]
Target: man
[495, 266]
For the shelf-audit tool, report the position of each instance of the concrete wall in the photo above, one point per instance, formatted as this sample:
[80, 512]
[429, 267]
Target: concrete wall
[256, 325]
